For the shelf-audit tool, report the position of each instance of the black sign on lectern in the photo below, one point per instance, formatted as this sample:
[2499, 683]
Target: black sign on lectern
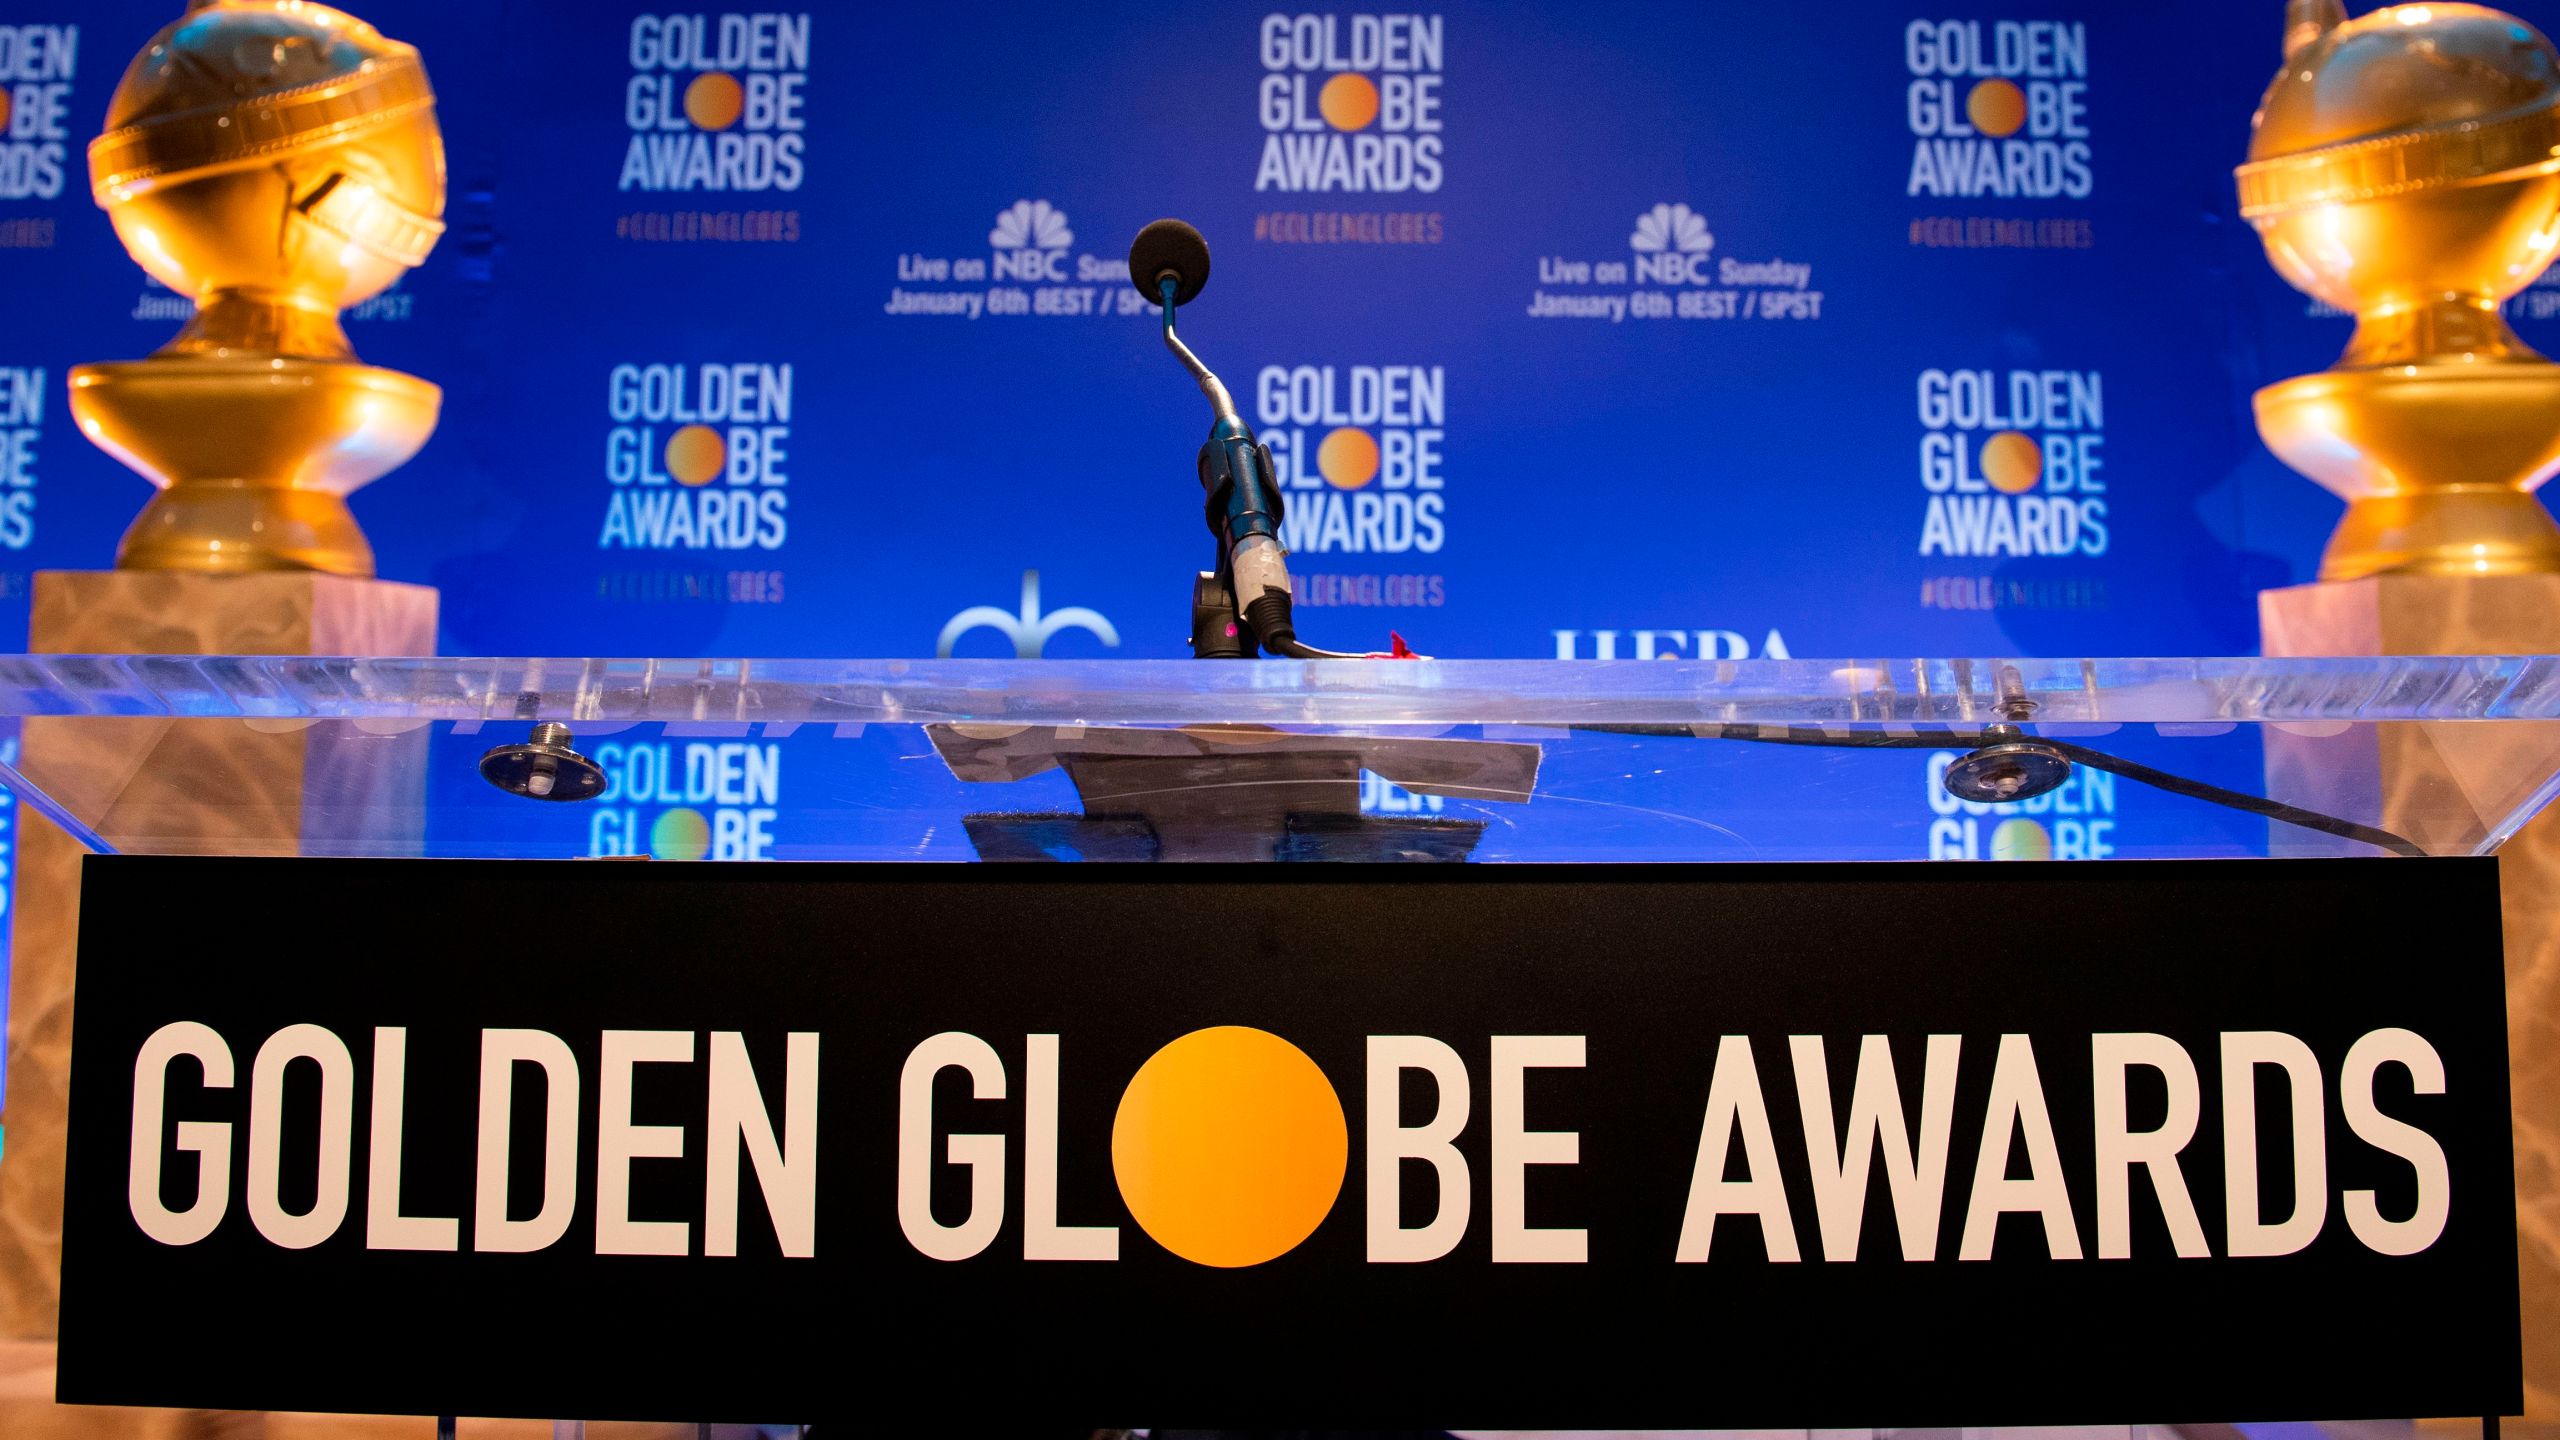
[1585, 1146]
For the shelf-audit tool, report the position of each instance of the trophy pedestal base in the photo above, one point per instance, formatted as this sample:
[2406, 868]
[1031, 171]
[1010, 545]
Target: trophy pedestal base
[2462, 615]
[2453, 534]
[2437, 463]
[183, 528]
[255, 458]
[269, 790]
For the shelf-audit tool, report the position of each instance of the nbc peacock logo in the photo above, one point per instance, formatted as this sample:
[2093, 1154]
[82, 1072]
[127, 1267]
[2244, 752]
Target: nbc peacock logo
[1350, 104]
[1671, 271]
[1030, 241]
[1671, 243]
[717, 103]
[1030, 225]
[1030, 268]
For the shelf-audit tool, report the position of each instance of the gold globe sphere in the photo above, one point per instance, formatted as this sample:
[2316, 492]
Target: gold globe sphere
[2405, 167]
[2402, 167]
[267, 153]
[275, 160]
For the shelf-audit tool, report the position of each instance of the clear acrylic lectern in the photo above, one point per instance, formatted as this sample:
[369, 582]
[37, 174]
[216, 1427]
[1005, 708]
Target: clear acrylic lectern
[1268, 761]
[1484, 761]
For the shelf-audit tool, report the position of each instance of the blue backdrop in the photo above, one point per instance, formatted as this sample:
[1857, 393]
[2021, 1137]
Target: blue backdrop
[1633, 328]
[1581, 330]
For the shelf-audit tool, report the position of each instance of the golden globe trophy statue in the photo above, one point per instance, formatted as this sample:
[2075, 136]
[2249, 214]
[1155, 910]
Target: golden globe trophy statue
[276, 160]
[2405, 167]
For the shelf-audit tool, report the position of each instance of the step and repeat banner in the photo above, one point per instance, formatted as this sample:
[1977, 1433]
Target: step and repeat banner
[1627, 330]
[1586, 331]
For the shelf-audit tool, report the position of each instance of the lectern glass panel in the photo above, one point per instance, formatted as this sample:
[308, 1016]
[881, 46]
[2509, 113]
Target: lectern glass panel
[1489, 761]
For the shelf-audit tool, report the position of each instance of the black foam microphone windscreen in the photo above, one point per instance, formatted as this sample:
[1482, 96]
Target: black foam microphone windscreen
[1169, 245]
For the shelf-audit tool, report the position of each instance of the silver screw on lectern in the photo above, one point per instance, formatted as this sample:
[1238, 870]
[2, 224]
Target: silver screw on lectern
[2014, 765]
[543, 767]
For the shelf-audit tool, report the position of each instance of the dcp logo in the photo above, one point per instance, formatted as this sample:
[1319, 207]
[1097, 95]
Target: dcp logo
[1029, 630]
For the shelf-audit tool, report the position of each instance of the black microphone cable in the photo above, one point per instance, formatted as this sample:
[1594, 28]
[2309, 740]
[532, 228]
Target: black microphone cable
[2133, 770]
[1269, 616]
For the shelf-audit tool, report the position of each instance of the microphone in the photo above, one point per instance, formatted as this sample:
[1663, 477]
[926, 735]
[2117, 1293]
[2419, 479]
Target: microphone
[1169, 248]
[1246, 600]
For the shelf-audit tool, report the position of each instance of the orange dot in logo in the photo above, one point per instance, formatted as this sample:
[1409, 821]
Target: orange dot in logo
[2012, 462]
[695, 455]
[1996, 108]
[1348, 458]
[1230, 1146]
[680, 834]
[4, 109]
[2020, 840]
[714, 101]
[1349, 102]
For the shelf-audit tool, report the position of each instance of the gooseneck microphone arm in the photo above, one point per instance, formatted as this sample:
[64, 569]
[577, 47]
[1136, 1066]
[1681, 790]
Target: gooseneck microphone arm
[1224, 404]
[1244, 497]
[1245, 602]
